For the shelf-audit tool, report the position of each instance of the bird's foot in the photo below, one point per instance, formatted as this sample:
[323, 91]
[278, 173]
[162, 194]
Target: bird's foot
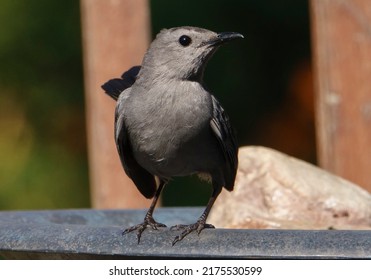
[187, 229]
[148, 221]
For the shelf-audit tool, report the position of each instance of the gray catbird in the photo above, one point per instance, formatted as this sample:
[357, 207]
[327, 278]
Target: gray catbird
[167, 124]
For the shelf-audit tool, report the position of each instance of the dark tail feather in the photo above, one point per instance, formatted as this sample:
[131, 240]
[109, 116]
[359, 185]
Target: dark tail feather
[114, 87]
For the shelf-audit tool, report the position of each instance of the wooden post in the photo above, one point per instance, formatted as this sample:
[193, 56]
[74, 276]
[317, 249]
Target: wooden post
[116, 35]
[341, 33]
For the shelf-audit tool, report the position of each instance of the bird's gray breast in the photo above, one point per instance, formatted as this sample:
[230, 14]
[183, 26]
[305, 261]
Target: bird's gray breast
[169, 127]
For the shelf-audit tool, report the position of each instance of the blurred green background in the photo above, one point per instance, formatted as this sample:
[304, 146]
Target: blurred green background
[42, 135]
[264, 82]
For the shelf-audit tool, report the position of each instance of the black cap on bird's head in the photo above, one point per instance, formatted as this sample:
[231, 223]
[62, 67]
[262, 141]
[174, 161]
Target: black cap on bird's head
[183, 52]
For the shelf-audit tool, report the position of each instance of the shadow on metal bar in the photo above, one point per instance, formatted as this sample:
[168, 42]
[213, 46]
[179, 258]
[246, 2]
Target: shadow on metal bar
[96, 234]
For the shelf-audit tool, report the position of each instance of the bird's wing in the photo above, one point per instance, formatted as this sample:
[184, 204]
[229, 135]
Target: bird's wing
[144, 180]
[115, 87]
[227, 140]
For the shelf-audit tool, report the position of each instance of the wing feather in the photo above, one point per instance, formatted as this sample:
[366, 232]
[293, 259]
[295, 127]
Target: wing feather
[144, 181]
[227, 140]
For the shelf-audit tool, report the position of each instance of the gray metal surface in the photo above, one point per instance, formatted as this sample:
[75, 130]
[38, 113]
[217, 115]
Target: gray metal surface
[96, 234]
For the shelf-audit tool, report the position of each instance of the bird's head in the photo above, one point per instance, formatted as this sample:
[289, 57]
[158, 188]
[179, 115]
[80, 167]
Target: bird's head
[182, 52]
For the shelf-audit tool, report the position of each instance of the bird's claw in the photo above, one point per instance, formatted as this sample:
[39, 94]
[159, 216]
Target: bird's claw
[187, 229]
[142, 226]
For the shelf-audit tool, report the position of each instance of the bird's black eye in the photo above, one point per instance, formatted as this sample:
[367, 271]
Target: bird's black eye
[185, 40]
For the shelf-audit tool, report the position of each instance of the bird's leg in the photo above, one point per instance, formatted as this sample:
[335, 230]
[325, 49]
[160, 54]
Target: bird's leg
[201, 222]
[148, 219]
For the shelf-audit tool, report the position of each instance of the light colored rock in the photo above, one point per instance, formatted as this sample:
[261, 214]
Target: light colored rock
[274, 190]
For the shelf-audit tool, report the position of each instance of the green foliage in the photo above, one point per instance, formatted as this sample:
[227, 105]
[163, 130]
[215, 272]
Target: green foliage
[42, 139]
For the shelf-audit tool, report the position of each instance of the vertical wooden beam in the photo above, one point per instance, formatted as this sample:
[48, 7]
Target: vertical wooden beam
[116, 34]
[341, 36]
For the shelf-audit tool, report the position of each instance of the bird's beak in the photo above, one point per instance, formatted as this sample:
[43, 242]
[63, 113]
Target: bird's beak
[223, 37]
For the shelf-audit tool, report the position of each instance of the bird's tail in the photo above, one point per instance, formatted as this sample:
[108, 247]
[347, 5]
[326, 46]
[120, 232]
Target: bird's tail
[114, 87]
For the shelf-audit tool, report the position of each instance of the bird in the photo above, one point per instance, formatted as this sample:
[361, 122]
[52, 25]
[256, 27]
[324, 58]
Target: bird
[167, 123]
